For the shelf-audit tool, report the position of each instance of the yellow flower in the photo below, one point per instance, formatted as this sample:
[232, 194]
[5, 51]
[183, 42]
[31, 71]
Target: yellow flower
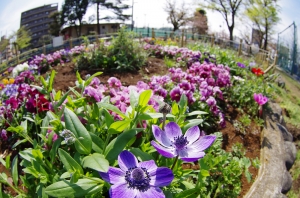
[5, 81]
[11, 81]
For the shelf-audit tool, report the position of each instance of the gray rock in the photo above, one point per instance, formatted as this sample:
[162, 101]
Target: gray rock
[287, 136]
[287, 182]
[290, 156]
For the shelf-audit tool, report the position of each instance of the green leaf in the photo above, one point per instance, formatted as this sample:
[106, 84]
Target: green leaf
[89, 80]
[118, 126]
[57, 95]
[108, 118]
[182, 104]
[191, 123]
[191, 193]
[54, 148]
[44, 83]
[188, 185]
[204, 173]
[62, 99]
[142, 156]
[197, 113]
[18, 142]
[14, 170]
[7, 160]
[175, 109]
[144, 98]
[117, 145]
[97, 144]
[84, 141]
[50, 85]
[112, 108]
[79, 78]
[70, 164]
[97, 162]
[82, 188]
[134, 97]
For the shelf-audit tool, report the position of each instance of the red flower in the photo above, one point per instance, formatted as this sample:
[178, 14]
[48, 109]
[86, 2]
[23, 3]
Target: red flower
[257, 71]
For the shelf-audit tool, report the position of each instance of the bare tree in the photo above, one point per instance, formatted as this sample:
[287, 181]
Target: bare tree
[228, 9]
[176, 16]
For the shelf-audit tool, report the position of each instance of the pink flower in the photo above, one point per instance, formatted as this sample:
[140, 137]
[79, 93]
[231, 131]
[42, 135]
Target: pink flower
[114, 82]
[260, 99]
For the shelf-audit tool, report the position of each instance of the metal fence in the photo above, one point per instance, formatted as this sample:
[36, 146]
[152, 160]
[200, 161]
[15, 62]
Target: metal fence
[182, 37]
[288, 51]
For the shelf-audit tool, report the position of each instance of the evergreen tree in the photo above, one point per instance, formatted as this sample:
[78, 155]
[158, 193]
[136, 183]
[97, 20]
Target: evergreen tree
[117, 7]
[73, 12]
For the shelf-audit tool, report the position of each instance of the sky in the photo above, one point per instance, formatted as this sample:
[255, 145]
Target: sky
[145, 13]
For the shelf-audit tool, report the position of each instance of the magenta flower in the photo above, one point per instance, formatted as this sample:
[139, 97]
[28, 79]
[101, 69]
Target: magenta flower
[3, 135]
[114, 82]
[188, 147]
[260, 99]
[135, 179]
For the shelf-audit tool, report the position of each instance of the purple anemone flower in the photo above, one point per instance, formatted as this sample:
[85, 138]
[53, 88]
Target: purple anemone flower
[188, 147]
[135, 179]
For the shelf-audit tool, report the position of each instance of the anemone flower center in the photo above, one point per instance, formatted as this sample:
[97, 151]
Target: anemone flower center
[180, 142]
[138, 178]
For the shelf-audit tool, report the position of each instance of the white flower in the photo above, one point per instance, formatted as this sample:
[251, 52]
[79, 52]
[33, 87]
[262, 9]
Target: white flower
[238, 78]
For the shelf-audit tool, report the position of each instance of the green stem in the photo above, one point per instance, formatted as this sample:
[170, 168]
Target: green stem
[164, 121]
[174, 163]
[106, 142]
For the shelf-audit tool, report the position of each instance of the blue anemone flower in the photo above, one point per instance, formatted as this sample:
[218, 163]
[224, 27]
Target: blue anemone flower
[188, 147]
[137, 180]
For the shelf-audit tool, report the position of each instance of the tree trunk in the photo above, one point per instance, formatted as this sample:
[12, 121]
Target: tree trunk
[230, 33]
[98, 24]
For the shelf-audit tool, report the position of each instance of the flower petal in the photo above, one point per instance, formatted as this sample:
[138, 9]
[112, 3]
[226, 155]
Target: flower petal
[113, 176]
[160, 136]
[167, 152]
[162, 177]
[121, 191]
[149, 165]
[192, 134]
[203, 143]
[127, 160]
[193, 156]
[172, 130]
[150, 193]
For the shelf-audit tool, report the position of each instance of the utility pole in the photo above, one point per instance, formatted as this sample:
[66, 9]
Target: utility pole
[132, 16]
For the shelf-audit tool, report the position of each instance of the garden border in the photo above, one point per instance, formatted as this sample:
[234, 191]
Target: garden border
[277, 155]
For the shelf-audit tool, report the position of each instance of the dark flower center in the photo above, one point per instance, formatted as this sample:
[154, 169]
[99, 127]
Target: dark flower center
[180, 142]
[138, 178]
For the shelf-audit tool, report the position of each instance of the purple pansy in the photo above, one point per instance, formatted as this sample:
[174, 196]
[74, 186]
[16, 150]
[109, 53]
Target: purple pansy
[188, 147]
[241, 65]
[260, 99]
[135, 179]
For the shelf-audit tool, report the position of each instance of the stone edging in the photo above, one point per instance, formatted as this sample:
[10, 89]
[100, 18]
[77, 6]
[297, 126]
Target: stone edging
[277, 155]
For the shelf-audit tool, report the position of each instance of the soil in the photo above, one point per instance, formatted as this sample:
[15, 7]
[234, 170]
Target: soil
[66, 78]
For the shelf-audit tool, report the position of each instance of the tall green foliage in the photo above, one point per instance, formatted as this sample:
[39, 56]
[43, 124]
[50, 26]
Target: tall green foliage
[228, 9]
[55, 25]
[22, 38]
[73, 12]
[264, 15]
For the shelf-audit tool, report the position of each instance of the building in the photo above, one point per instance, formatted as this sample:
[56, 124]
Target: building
[37, 21]
[90, 29]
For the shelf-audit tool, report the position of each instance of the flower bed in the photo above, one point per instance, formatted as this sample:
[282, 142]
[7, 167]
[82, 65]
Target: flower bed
[70, 144]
